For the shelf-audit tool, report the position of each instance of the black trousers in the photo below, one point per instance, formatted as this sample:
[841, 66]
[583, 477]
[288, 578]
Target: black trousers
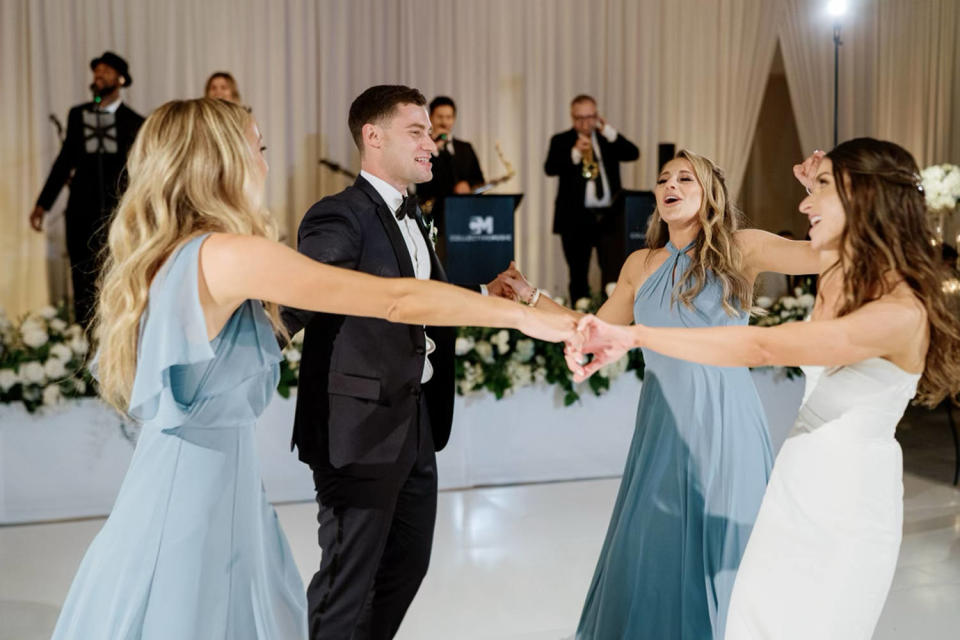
[596, 228]
[376, 533]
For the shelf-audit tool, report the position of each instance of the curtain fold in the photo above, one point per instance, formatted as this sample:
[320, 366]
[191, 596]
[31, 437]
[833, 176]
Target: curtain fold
[691, 72]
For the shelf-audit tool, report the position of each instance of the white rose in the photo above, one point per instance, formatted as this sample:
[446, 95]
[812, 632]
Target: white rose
[502, 340]
[34, 338]
[788, 302]
[485, 350]
[74, 331]
[33, 373]
[80, 385]
[79, 345]
[54, 369]
[807, 300]
[8, 378]
[292, 355]
[610, 288]
[61, 352]
[525, 350]
[560, 300]
[47, 312]
[582, 305]
[58, 325]
[51, 394]
[463, 346]
[764, 302]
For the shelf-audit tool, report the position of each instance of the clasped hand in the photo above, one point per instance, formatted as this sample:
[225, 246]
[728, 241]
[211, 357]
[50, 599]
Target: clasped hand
[596, 344]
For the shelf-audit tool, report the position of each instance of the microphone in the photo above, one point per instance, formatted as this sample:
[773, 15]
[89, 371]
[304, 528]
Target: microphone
[97, 98]
[440, 137]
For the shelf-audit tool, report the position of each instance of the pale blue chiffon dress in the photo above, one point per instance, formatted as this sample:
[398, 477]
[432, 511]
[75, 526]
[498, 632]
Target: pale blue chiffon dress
[192, 548]
[694, 479]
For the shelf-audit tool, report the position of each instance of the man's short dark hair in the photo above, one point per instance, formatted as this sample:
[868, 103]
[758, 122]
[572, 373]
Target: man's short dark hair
[442, 101]
[582, 98]
[377, 103]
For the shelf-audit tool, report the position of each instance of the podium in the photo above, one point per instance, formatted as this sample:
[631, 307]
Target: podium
[479, 236]
[638, 206]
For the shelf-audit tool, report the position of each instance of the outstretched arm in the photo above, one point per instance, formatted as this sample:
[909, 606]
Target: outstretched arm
[234, 268]
[875, 330]
[763, 251]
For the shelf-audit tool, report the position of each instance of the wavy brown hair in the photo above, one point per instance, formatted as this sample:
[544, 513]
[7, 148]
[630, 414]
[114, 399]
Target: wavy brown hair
[190, 172]
[716, 252]
[886, 232]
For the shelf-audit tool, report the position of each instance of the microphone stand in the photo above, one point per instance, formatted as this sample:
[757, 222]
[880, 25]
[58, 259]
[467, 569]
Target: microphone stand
[336, 168]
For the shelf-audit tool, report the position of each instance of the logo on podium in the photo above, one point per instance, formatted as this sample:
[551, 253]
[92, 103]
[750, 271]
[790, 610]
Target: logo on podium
[480, 225]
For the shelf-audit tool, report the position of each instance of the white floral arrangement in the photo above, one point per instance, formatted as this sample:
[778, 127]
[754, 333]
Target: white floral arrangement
[941, 186]
[500, 361]
[43, 359]
[290, 365]
[785, 309]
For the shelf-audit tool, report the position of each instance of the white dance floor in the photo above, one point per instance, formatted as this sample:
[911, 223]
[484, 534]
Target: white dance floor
[509, 563]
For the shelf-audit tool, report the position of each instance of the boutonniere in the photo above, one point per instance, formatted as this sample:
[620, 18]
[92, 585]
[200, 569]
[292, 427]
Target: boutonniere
[432, 233]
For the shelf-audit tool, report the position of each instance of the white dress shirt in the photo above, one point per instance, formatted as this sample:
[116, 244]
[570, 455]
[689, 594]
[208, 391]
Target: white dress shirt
[416, 247]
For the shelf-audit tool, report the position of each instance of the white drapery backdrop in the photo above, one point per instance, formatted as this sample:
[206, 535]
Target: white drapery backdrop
[899, 74]
[690, 72]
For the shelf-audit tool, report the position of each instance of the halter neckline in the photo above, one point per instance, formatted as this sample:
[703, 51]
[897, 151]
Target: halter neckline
[672, 248]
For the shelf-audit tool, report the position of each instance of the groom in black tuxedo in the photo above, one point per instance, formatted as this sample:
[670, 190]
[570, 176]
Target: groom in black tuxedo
[375, 398]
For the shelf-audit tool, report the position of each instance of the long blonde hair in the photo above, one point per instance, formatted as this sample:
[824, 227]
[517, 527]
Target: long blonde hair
[715, 249]
[190, 171]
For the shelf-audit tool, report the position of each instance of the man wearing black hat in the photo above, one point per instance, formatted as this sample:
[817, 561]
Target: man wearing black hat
[99, 135]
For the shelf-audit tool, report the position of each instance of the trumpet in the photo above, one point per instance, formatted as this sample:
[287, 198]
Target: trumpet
[590, 168]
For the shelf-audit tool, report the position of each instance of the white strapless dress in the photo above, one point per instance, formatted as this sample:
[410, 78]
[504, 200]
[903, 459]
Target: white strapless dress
[824, 548]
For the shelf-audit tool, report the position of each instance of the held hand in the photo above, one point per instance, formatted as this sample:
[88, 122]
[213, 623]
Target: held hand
[583, 143]
[517, 282]
[806, 172]
[605, 342]
[550, 326]
[36, 218]
[601, 123]
[500, 288]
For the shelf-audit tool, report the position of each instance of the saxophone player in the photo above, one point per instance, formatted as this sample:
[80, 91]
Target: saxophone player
[586, 159]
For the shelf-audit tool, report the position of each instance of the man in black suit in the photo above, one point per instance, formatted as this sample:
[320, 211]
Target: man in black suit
[588, 212]
[99, 135]
[375, 398]
[456, 169]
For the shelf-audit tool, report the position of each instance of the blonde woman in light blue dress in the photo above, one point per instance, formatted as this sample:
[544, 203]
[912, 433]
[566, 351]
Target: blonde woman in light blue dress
[192, 549]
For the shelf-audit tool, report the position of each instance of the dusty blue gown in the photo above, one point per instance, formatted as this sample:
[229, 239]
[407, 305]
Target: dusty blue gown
[192, 548]
[694, 479]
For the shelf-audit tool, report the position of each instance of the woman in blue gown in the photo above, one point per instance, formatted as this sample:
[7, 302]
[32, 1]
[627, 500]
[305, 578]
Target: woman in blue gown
[192, 549]
[700, 457]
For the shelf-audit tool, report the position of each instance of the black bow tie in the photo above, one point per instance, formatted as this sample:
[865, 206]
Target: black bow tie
[408, 207]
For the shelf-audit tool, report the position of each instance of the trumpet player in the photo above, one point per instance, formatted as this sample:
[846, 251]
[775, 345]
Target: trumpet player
[587, 213]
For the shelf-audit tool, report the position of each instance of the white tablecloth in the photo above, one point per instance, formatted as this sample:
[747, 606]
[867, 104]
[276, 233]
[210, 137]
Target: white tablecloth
[69, 461]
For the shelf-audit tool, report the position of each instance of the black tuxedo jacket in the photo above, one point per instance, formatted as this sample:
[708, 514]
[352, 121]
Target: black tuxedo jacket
[360, 377]
[568, 210]
[85, 187]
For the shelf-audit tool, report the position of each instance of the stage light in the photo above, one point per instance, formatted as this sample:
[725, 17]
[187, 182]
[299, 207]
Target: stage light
[836, 8]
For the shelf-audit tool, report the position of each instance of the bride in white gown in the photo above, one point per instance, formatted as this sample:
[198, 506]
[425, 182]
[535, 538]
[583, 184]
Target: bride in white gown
[824, 548]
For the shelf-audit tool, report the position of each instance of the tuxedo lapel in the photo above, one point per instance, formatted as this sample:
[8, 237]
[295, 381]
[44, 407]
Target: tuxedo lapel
[390, 226]
[436, 269]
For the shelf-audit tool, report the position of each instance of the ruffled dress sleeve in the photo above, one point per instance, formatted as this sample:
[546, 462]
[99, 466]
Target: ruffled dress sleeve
[173, 333]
